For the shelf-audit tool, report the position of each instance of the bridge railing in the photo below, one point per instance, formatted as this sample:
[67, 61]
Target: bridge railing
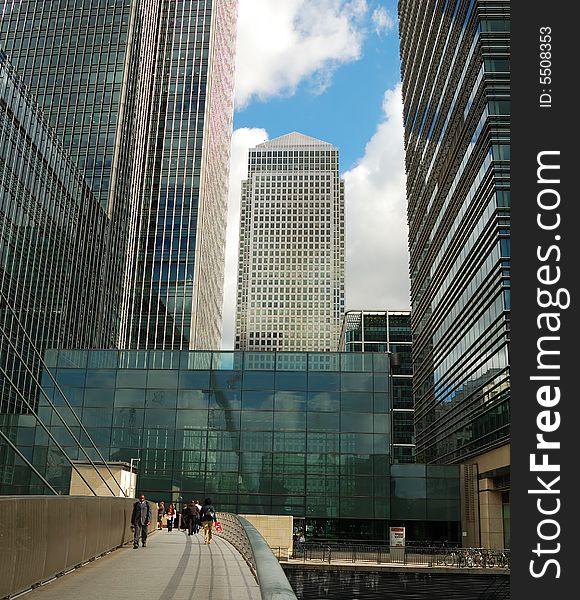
[257, 553]
[42, 537]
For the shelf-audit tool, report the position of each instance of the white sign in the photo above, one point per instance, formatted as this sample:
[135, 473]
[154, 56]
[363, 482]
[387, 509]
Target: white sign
[397, 537]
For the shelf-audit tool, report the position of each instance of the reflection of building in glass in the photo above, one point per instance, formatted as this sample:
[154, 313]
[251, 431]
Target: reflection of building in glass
[312, 442]
[291, 258]
[456, 112]
[388, 331]
[52, 236]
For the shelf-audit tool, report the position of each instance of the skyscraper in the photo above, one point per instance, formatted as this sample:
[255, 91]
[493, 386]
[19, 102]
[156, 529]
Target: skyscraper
[177, 283]
[141, 94]
[456, 93]
[291, 257]
[89, 67]
[52, 237]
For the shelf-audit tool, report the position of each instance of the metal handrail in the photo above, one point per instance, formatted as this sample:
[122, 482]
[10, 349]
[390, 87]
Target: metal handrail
[257, 553]
[431, 556]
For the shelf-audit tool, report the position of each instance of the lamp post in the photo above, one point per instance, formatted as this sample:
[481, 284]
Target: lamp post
[132, 487]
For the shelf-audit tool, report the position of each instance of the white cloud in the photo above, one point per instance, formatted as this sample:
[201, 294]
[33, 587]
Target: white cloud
[377, 258]
[382, 20]
[242, 140]
[284, 42]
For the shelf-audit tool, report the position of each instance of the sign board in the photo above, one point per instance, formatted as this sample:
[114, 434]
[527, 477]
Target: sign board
[397, 537]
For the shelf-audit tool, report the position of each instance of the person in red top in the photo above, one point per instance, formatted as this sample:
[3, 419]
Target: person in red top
[170, 514]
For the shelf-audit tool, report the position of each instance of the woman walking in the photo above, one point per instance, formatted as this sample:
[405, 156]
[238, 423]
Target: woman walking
[170, 514]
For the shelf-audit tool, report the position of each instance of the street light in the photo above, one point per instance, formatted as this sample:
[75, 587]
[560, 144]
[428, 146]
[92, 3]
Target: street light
[132, 487]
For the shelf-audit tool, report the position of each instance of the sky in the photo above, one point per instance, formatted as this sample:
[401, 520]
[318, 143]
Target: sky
[328, 69]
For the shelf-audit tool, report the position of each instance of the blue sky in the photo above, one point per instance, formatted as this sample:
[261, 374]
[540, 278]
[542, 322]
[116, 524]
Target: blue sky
[329, 69]
[347, 112]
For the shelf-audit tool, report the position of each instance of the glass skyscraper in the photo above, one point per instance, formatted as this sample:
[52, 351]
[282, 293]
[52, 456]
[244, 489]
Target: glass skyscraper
[456, 94]
[177, 283]
[141, 94]
[89, 67]
[388, 331]
[52, 238]
[291, 257]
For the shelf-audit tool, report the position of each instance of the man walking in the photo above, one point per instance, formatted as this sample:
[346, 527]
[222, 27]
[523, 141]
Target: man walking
[140, 520]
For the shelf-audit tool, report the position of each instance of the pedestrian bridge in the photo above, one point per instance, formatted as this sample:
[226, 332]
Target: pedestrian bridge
[51, 552]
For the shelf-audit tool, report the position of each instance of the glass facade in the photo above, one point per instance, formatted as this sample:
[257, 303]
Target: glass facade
[52, 235]
[305, 434]
[89, 65]
[291, 257]
[177, 282]
[388, 331]
[141, 94]
[456, 93]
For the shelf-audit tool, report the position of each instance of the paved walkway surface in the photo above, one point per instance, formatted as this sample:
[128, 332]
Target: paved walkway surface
[173, 566]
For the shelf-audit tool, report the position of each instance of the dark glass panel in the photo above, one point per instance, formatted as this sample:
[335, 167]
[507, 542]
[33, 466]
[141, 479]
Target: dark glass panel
[356, 382]
[323, 421]
[356, 402]
[258, 380]
[162, 379]
[192, 399]
[130, 398]
[259, 400]
[99, 397]
[194, 380]
[161, 399]
[100, 378]
[129, 378]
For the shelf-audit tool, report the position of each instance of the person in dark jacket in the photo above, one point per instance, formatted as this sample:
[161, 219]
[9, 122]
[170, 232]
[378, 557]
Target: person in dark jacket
[140, 520]
[208, 518]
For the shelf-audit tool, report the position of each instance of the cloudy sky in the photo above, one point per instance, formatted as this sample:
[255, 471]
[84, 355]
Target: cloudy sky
[329, 69]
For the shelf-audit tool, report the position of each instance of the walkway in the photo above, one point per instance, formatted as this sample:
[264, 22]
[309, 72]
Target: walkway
[173, 566]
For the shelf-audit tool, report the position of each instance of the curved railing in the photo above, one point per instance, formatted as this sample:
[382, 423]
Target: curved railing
[257, 553]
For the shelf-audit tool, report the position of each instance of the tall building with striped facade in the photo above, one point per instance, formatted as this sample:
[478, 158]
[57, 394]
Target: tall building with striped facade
[291, 256]
[455, 64]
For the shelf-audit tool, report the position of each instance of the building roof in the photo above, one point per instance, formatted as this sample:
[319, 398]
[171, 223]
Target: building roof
[293, 140]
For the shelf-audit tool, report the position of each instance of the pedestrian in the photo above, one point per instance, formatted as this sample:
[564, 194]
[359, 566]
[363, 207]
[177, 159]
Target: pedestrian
[170, 514]
[191, 517]
[197, 525]
[208, 518]
[184, 521]
[140, 520]
[160, 514]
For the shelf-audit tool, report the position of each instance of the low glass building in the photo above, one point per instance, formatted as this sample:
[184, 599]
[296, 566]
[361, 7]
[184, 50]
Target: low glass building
[304, 434]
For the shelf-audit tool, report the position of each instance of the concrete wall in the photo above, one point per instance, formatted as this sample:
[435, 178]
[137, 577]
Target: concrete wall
[276, 530]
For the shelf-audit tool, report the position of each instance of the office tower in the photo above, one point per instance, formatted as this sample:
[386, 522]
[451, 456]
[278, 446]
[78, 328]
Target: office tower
[178, 280]
[291, 257]
[89, 67]
[52, 235]
[388, 331]
[141, 93]
[456, 94]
